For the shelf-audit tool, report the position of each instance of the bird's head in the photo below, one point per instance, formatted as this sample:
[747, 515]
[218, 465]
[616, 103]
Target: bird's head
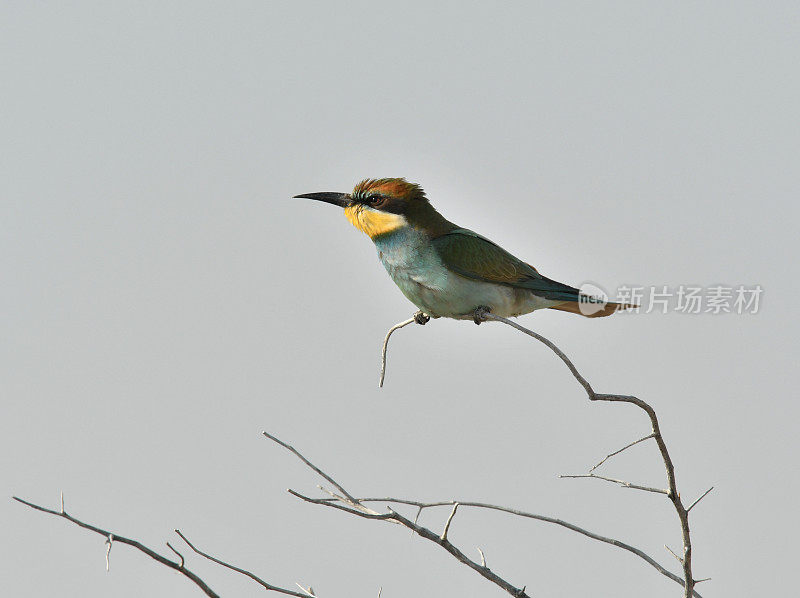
[380, 206]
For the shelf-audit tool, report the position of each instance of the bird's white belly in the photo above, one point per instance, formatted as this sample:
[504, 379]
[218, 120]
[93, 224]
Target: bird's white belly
[427, 283]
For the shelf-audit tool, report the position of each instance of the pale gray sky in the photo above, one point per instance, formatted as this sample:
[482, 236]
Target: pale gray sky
[164, 300]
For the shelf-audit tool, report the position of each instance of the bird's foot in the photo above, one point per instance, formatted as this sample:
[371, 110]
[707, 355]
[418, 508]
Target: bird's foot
[421, 318]
[480, 314]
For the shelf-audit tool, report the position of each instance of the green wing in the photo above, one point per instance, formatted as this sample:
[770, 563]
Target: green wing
[476, 257]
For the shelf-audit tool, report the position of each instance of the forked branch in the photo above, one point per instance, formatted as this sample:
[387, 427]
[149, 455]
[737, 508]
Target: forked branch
[177, 566]
[357, 508]
[672, 490]
[246, 573]
[673, 494]
[343, 504]
[113, 537]
[349, 503]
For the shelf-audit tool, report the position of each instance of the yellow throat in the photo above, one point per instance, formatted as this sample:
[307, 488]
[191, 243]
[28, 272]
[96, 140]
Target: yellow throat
[373, 222]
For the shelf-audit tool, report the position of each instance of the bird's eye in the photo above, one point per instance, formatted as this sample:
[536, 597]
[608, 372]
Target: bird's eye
[376, 200]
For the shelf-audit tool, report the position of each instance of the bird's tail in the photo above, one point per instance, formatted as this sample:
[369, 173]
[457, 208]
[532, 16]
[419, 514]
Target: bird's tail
[592, 310]
[573, 300]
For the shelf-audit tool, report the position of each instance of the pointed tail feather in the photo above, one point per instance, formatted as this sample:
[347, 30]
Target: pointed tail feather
[574, 307]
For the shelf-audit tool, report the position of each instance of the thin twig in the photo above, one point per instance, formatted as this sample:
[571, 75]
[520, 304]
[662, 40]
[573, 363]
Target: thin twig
[702, 496]
[627, 446]
[447, 524]
[135, 543]
[328, 503]
[335, 496]
[255, 578]
[180, 556]
[622, 483]
[385, 347]
[291, 449]
[109, 543]
[677, 558]
[309, 591]
[550, 344]
[416, 517]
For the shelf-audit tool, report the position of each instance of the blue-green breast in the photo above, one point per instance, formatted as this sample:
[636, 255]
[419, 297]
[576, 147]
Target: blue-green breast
[416, 267]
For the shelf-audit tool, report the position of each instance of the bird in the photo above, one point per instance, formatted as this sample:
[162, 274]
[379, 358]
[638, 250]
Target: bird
[444, 269]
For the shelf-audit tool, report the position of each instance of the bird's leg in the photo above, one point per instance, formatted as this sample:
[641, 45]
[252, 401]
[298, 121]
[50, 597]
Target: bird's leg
[421, 318]
[480, 314]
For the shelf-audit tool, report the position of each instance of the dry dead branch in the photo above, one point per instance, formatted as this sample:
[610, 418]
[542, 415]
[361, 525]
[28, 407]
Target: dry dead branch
[112, 537]
[672, 489]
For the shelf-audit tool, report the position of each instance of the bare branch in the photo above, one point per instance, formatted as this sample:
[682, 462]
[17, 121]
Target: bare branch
[460, 556]
[416, 517]
[328, 503]
[627, 446]
[673, 495]
[180, 556]
[544, 518]
[309, 591]
[622, 483]
[135, 543]
[677, 558]
[109, 542]
[385, 347]
[394, 517]
[335, 496]
[291, 449]
[350, 504]
[354, 507]
[547, 342]
[702, 496]
[255, 578]
[672, 491]
[443, 537]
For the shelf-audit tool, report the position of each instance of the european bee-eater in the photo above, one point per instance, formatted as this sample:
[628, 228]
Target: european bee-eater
[445, 270]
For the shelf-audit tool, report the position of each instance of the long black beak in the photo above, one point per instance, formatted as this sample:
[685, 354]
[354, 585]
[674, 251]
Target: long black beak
[338, 199]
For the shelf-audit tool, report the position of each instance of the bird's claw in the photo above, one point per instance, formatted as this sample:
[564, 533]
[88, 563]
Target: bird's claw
[421, 318]
[480, 314]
